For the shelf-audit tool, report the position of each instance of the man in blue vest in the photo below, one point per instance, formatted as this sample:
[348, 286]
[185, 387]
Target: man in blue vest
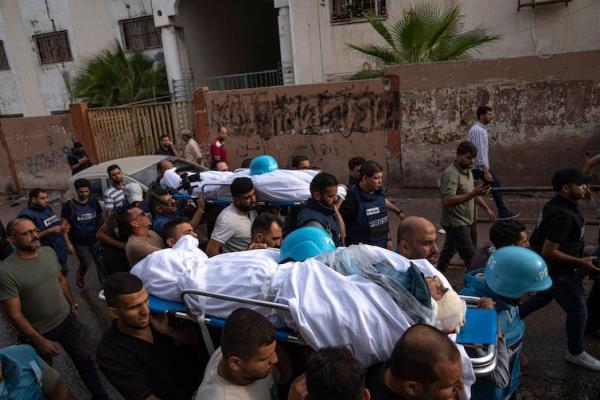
[84, 214]
[53, 233]
[364, 211]
[512, 274]
[320, 209]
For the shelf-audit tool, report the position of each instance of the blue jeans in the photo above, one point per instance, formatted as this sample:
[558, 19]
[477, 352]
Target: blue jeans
[70, 336]
[568, 291]
[502, 210]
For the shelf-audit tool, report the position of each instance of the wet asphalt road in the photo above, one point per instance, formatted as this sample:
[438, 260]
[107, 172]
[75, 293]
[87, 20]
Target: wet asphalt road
[548, 376]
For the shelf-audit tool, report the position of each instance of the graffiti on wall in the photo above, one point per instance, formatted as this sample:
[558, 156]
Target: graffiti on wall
[343, 109]
[38, 164]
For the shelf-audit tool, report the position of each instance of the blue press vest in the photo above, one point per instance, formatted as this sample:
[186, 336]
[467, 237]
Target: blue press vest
[313, 211]
[513, 329]
[372, 222]
[44, 219]
[84, 220]
[22, 374]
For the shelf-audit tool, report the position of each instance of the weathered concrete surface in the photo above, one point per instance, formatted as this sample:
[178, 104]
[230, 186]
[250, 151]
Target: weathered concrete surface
[547, 114]
[38, 146]
[329, 123]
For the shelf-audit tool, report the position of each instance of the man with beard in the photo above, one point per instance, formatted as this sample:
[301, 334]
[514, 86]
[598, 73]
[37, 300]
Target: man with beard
[78, 159]
[365, 211]
[320, 210]
[114, 195]
[266, 231]
[416, 239]
[84, 215]
[558, 238]
[141, 354]
[166, 147]
[242, 368]
[38, 301]
[52, 232]
[233, 229]
[459, 196]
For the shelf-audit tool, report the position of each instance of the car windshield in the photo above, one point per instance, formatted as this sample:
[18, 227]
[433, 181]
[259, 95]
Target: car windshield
[148, 175]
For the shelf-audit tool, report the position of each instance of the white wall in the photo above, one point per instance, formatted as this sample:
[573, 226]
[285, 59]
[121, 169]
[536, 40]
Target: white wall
[544, 31]
[11, 100]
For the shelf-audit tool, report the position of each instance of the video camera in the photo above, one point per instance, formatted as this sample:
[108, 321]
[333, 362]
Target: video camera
[187, 179]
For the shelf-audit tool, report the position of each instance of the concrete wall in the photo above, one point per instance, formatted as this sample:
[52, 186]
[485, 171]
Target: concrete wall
[32, 89]
[329, 123]
[320, 51]
[547, 114]
[38, 146]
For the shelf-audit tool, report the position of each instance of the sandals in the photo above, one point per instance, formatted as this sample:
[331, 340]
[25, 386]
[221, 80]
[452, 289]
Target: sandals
[79, 280]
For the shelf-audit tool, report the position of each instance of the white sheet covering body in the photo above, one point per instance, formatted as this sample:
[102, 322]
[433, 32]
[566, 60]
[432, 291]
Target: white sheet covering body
[326, 308]
[280, 185]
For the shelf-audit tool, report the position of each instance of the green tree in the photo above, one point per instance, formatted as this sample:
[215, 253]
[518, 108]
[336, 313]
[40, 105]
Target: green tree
[114, 77]
[424, 33]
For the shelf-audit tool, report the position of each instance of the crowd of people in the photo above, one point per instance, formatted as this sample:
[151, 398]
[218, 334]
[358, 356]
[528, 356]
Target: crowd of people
[152, 356]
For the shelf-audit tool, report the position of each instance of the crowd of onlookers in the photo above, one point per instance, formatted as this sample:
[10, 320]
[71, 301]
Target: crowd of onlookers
[148, 356]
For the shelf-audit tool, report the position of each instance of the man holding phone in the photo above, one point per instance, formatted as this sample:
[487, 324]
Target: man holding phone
[459, 195]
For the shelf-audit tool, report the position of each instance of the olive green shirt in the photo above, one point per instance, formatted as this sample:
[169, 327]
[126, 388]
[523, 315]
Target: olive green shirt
[455, 181]
[35, 282]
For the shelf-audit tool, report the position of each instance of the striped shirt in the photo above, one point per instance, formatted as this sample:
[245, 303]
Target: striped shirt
[478, 135]
[113, 198]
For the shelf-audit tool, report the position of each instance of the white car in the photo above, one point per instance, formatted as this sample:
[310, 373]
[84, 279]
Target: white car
[138, 169]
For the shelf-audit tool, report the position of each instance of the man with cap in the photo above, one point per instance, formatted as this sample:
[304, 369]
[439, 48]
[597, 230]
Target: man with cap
[558, 238]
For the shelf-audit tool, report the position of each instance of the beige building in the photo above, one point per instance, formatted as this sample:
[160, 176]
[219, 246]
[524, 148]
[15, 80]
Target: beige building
[243, 43]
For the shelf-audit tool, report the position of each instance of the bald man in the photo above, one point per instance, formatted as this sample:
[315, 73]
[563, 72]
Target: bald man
[416, 239]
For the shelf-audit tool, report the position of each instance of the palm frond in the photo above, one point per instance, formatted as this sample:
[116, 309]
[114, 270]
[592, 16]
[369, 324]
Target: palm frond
[384, 54]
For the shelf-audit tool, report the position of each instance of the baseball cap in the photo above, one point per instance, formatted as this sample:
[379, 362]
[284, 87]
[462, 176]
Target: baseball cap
[133, 192]
[566, 176]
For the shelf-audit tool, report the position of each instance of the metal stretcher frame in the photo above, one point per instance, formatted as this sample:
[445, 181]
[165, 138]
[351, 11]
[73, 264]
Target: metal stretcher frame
[486, 363]
[225, 202]
[482, 366]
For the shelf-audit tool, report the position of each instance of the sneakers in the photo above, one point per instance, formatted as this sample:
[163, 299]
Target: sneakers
[584, 360]
[509, 215]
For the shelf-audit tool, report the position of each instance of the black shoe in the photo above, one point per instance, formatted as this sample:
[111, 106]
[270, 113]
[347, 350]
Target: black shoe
[509, 215]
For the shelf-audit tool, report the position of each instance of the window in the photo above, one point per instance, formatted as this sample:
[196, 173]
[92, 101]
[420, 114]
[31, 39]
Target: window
[140, 34]
[53, 47]
[3, 59]
[350, 10]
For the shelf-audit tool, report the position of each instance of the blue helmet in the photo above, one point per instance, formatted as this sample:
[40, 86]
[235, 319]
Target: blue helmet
[263, 165]
[304, 243]
[513, 271]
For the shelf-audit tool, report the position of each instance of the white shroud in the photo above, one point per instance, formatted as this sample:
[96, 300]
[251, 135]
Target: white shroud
[326, 308]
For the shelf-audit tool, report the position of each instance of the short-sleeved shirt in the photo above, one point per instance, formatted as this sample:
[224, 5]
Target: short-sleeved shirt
[376, 384]
[138, 369]
[73, 159]
[215, 387]
[217, 149]
[192, 151]
[114, 198]
[35, 282]
[139, 247]
[233, 229]
[84, 219]
[456, 180]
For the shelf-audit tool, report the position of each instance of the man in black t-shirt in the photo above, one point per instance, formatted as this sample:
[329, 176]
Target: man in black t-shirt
[425, 365]
[141, 354]
[558, 238]
[78, 159]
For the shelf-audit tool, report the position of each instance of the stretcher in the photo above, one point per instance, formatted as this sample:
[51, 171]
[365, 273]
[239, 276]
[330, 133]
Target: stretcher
[479, 332]
[225, 201]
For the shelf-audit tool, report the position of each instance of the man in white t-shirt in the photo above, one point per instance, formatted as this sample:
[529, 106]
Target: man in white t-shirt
[241, 369]
[234, 224]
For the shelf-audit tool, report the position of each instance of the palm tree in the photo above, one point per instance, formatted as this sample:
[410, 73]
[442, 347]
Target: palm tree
[424, 33]
[114, 78]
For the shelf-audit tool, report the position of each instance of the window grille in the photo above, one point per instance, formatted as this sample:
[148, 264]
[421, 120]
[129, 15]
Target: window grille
[350, 10]
[53, 47]
[140, 34]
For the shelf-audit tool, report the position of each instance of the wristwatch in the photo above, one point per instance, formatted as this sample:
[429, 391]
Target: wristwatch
[75, 305]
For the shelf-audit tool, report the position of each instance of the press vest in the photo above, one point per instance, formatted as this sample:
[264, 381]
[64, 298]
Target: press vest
[311, 210]
[44, 219]
[372, 221]
[22, 374]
